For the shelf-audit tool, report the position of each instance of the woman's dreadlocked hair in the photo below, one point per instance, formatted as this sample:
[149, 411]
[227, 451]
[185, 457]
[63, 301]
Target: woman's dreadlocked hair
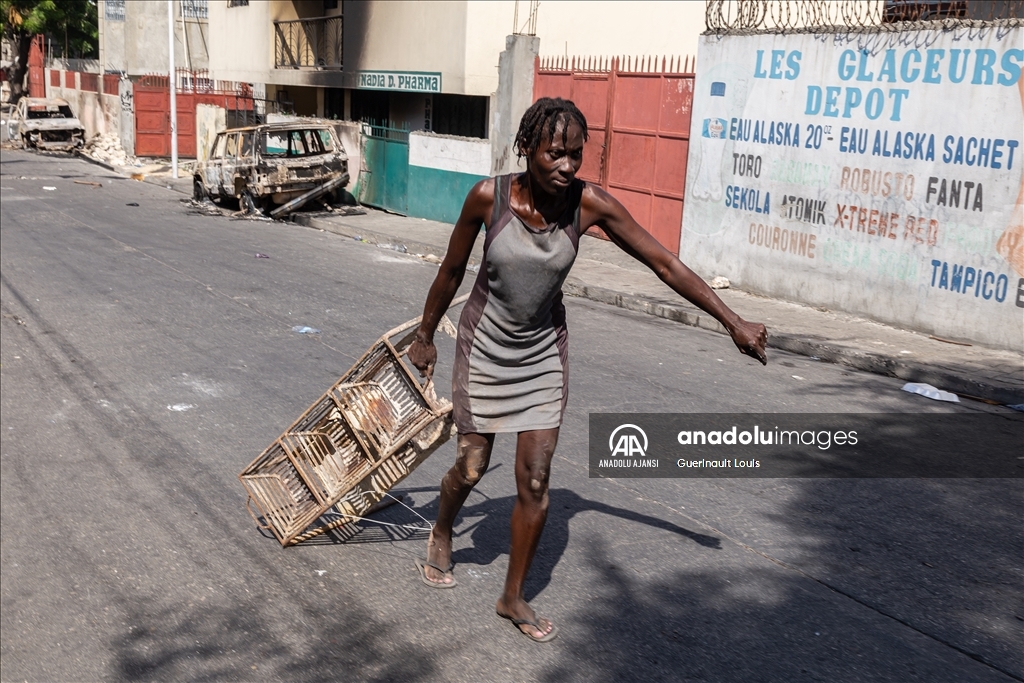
[541, 119]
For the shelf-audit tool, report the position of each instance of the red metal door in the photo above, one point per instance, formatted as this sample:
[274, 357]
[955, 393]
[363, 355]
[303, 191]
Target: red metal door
[152, 117]
[186, 106]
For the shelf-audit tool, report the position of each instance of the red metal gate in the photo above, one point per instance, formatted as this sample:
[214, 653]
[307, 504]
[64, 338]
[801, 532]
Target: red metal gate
[153, 110]
[638, 113]
[36, 84]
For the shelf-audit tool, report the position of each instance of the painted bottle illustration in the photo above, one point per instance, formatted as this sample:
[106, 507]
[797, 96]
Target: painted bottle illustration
[712, 146]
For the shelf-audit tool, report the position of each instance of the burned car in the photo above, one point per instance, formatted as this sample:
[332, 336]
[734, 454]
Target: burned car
[272, 164]
[45, 123]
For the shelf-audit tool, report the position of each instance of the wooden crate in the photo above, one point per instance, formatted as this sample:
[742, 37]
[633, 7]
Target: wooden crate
[372, 428]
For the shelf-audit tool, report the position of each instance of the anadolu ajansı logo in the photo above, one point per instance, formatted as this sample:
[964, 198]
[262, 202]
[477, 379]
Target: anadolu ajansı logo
[629, 441]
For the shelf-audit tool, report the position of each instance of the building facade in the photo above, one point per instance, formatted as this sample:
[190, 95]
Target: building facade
[429, 66]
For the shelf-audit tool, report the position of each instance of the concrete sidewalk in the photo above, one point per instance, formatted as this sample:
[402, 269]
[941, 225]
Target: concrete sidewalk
[604, 273]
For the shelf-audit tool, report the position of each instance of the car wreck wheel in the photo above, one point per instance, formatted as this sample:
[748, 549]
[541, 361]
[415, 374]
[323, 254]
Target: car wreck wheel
[251, 204]
[198, 191]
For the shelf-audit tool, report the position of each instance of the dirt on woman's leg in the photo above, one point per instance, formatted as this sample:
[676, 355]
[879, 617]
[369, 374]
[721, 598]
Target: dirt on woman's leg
[472, 459]
[534, 450]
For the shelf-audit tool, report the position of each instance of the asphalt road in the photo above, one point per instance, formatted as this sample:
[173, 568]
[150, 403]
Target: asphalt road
[147, 357]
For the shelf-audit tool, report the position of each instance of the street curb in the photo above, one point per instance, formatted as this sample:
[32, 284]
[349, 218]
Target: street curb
[101, 164]
[126, 173]
[318, 223]
[874, 363]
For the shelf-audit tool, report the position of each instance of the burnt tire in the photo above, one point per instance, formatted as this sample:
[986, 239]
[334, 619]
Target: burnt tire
[250, 204]
[198, 191]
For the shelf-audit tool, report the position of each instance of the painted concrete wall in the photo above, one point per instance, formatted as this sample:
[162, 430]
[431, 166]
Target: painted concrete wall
[618, 28]
[138, 45]
[126, 131]
[350, 133]
[99, 113]
[513, 97]
[460, 40]
[408, 35]
[872, 173]
[242, 41]
[210, 120]
[442, 170]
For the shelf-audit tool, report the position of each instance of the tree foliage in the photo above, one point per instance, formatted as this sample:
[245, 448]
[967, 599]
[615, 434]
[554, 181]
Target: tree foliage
[70, 24]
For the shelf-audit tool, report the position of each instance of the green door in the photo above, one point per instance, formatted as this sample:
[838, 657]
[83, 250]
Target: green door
[385, 183]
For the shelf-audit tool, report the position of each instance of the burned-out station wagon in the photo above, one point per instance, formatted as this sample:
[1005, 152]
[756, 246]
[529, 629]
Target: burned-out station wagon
[271, 163]
[45, 123]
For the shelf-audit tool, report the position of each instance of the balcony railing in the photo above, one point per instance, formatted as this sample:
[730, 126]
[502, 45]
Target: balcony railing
[308, 43]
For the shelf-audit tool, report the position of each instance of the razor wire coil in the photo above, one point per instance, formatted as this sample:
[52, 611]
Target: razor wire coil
[725, 17]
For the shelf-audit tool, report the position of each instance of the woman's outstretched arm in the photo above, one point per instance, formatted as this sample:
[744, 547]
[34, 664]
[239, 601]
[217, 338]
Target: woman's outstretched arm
[601, 209]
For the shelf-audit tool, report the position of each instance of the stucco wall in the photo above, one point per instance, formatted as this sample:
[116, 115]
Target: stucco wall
[210, 120]
[877, 174]
[242, 41]
[458, 39]
[442, 170]
[138, 45]
[412, 36]
[98, 113]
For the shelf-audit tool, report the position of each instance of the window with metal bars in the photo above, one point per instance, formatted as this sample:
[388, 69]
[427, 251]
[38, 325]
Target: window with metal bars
[194, 9]
[113, 10]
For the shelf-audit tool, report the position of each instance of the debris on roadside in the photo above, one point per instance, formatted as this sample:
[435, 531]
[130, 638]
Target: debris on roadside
[949, 341]
[719, 282]
[928, 391]
[259, 255]
[49, 188]
[106, 148]
[302, 329]
[316, 192]
[87, 182]
[132, 204]
[202, 208]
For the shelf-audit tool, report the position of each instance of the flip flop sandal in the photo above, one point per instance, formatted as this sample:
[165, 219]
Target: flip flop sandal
[421, 567]
[546, 638]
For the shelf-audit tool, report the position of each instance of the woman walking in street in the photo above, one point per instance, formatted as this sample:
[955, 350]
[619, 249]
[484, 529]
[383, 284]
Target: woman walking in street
[511, 359]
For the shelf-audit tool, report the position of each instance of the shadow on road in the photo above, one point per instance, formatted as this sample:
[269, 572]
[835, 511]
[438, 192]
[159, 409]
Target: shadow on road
[913, 580]
[221, 642]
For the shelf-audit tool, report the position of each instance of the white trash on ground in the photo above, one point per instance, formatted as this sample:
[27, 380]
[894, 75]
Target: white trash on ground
[928, 391]
[719, 282]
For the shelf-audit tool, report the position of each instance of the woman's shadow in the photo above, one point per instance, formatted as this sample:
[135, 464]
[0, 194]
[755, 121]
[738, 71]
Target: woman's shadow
[489, 530]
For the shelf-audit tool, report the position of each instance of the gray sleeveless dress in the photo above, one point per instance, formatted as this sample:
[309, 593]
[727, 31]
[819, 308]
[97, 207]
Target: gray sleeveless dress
[511, 367]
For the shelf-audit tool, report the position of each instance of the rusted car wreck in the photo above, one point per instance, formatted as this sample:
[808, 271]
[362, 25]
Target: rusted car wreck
[278, 164]
[49, 124]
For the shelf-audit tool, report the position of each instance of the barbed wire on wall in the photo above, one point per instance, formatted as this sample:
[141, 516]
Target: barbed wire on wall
[785, 16]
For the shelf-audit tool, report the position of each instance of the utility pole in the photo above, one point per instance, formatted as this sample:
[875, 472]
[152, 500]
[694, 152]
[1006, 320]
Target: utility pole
[173, 86]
